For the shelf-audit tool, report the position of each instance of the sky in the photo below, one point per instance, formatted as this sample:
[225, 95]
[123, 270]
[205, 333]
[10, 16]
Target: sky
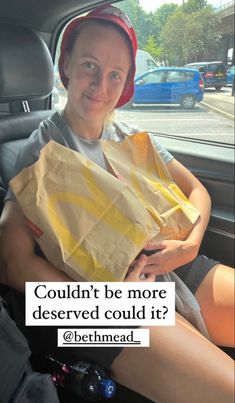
[152, 5]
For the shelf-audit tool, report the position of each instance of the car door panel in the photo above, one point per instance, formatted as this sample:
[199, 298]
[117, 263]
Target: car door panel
[216, 172]
[152, 88]
[148, 93]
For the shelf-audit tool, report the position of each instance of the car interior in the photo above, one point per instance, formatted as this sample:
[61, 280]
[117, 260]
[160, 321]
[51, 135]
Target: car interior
[28, 34]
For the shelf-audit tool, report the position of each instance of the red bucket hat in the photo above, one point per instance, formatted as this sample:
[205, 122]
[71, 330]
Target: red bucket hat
[119, 18]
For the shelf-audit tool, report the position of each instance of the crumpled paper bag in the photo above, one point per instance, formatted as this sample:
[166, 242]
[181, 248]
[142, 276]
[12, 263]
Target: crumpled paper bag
[87, 222]
[92, 224]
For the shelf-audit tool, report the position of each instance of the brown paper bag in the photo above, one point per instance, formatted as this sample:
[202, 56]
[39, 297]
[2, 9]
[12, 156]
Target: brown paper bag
[137, 162]
[87, 222]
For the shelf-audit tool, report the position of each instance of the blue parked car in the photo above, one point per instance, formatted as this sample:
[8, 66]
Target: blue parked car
[169, 85]
[230, 75]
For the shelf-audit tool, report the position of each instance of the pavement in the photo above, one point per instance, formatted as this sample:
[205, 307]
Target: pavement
[221, 102]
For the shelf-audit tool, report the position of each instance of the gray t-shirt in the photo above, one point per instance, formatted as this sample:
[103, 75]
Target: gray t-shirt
[55, 128]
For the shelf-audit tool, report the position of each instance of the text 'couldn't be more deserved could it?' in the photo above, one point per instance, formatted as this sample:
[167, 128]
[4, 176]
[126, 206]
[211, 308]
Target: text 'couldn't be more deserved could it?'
[100, 304]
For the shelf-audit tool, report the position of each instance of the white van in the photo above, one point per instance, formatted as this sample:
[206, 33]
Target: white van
[144, 62]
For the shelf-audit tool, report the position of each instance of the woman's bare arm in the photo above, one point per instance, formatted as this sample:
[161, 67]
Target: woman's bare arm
[175, 253]
[18, 262]
[198, 196]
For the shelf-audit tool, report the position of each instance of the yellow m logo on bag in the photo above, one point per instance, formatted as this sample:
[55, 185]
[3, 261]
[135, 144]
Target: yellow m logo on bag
[105, 208]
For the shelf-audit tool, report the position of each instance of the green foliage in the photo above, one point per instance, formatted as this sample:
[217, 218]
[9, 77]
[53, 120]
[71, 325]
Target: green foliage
[139, 19]
[172, 37]
[153, 49]
[147, 24]
[191, 37]
[174, 34]
[158, 20]
[163, 13]
[192, 6]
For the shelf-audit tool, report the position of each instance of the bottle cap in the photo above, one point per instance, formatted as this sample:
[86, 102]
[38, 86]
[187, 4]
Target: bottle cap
[107, 388]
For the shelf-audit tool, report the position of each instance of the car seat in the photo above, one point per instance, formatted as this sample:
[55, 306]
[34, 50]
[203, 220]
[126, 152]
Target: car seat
[26, 73]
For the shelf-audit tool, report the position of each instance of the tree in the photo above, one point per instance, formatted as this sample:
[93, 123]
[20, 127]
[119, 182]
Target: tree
[153, 49]
[173, 38]
[191, 37]
[139, 19]
[163, 13]
[192, 6]
[147, 24]
[208, 35]
[159, 19]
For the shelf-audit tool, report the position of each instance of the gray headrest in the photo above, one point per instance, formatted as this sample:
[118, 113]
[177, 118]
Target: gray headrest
[26, 68]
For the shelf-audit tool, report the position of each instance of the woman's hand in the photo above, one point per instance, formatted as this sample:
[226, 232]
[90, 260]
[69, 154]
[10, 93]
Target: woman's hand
[169, 255]
[135, 272]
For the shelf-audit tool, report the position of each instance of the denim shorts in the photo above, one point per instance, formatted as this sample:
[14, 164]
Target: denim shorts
[193, 273]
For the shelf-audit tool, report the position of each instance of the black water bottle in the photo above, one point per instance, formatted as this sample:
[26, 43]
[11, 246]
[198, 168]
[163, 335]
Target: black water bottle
[87, 380]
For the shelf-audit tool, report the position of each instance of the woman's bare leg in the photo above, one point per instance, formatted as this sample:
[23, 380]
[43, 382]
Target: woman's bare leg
[216, 299]
[180, 366]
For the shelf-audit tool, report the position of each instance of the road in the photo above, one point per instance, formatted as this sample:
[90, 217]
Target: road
[220, 101]
[202, 122]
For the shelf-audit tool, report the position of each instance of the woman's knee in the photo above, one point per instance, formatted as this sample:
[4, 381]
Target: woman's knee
[179, 363]
[216, 299]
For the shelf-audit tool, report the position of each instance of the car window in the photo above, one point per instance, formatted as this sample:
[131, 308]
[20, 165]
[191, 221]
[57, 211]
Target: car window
[216, 68]
[199, 67]
[205, 115]
[150, 64]
[202, 69]
[187, 75]
[155, 77]
[173, 76]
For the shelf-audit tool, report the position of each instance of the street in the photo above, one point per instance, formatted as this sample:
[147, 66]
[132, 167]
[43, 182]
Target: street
[220, 101]
[214, 124]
